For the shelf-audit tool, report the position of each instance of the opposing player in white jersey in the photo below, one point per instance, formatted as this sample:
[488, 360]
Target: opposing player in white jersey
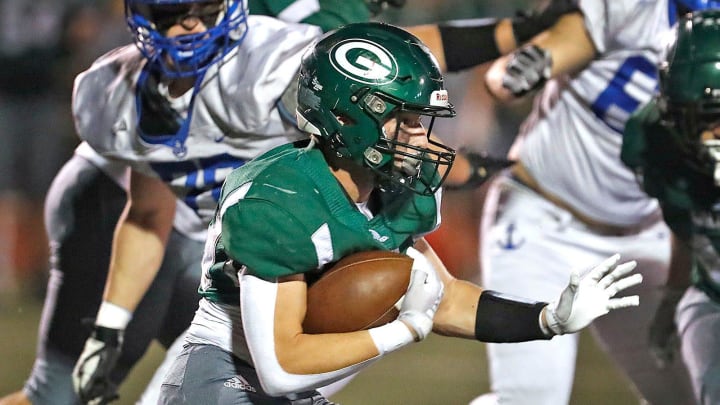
[196, 96]
[569, 198]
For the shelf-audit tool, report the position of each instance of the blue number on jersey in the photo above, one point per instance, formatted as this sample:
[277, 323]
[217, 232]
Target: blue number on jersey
[626, 91]
[200, 177]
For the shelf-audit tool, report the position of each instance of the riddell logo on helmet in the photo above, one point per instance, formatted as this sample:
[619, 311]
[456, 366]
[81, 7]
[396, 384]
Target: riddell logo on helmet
[439, 98]
[364, 61]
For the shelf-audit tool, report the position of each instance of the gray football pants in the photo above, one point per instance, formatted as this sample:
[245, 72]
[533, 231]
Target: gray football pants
[82, 209]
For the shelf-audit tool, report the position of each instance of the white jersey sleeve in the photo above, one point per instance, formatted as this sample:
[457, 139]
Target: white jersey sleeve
[234, 115]
[118, 172]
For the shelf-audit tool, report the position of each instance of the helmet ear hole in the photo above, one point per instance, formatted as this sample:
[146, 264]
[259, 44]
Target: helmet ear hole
[344, 120]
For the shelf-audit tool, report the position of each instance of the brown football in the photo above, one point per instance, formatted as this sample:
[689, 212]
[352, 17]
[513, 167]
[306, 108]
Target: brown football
[358, 292]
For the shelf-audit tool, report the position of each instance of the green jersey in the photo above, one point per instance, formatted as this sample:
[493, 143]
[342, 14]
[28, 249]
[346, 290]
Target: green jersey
[285, 213]
[326, 14]
[689, 199]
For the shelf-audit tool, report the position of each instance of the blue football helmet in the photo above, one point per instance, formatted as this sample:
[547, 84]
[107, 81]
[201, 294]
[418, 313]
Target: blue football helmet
[186, 55]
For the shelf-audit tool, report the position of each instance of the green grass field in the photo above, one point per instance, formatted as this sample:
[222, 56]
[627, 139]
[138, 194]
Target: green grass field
[437, 371]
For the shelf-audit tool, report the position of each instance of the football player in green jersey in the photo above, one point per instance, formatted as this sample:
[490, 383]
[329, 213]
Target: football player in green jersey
[77, 285]
[369, 178]
[673, 143]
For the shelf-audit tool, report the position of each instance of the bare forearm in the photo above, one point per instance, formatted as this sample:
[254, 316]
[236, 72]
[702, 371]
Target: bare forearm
[314, 354]
[137, 255]
[564, 56]
[301, 353]
[139, 243]
[287, 359]
[457, 313]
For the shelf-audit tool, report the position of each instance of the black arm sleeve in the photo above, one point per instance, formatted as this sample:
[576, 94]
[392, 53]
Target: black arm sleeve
[528, 24]
[468, 43]
[482, 167]
[501, 319]
[471, 42]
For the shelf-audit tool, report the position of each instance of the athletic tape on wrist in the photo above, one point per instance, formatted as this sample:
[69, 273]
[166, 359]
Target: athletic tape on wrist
[552, 321]
[112, 316]
[543, 326]
[391, 336]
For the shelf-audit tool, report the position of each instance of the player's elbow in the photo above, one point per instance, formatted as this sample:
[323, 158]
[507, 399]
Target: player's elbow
[278, 384]
[274, 389]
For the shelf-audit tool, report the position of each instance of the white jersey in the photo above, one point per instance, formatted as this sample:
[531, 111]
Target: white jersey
[185, 220]
[234, 116]
[571, 141]
[117, 171]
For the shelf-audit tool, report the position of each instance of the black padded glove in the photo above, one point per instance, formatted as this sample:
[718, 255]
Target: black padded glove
[528, 69]
[483, 167]
[91, 376]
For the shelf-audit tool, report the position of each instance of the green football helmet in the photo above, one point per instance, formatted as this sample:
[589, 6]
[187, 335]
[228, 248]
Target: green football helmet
[353, 80]
[689, 97]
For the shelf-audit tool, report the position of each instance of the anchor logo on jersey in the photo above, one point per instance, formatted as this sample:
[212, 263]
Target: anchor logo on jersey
[510, 242]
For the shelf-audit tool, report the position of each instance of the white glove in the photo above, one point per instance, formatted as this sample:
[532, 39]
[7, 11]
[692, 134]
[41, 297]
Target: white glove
[422, 298]
[589, 297]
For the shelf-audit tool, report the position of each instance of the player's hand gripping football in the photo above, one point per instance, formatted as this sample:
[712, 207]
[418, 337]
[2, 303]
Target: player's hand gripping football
[91, 376]
[591, 296]
[422, 298]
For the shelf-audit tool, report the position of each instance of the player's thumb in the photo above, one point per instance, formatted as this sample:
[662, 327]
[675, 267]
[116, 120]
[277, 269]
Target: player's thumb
[574, 280]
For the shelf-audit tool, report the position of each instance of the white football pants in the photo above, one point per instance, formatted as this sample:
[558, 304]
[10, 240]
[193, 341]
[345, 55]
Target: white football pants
[528, 248]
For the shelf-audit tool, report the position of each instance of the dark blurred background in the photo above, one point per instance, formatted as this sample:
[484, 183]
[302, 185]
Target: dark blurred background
[45, 43]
